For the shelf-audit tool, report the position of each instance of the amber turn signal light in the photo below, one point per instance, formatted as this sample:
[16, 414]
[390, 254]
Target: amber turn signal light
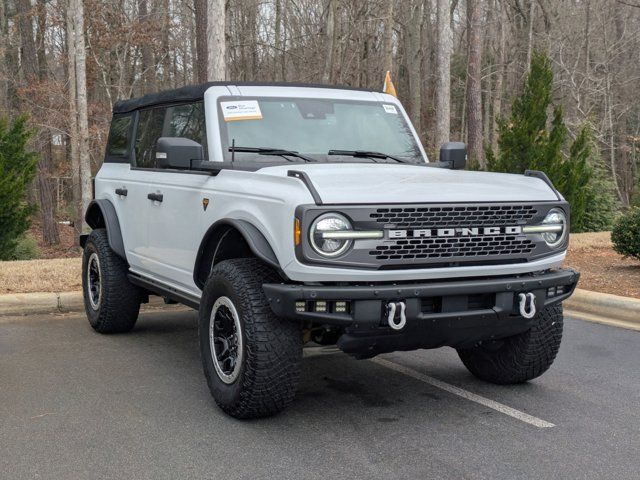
[296, 232]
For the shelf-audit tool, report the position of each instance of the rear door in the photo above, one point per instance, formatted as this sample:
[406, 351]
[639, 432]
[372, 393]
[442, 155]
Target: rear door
[118, 182]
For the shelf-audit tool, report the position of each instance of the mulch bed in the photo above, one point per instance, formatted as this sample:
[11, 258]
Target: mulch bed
[602, 269]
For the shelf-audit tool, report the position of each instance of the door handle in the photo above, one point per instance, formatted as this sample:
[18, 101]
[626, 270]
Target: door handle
[121, 191]
[156, 197]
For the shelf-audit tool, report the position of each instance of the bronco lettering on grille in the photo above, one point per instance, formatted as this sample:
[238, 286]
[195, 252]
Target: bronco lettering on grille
[454, 232]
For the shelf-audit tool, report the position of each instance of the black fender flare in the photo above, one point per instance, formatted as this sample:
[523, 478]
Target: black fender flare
[101, 213]
[256, 241]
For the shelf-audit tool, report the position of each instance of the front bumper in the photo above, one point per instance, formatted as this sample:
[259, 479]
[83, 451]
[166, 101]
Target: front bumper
[456, 313]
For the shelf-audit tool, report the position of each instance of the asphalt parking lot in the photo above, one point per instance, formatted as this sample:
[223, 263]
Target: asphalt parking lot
[75, 404]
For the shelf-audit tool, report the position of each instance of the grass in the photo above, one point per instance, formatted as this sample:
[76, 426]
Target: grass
[602, 270]
[587, 241]
[45, 275]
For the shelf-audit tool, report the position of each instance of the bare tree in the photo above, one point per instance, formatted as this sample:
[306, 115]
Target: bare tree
[413, 47]
[496, 109]
[4, 94]
[73, 119]
[474, 88]
[82, 107]
[330, 41]
[443, 74]
[33, 75]
[593, 46]
[202, 55]
[388, 38]
[216, 45]
[148, 65]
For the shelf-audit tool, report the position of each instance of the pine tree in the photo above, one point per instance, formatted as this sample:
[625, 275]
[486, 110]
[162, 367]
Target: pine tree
[17, 170]
[527, 140]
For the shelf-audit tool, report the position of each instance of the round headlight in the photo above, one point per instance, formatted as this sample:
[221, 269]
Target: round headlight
[327, 224]
[558, 219]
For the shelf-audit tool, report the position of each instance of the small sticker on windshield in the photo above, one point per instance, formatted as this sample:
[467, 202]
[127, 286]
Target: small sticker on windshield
[241, 110]
[390, 108]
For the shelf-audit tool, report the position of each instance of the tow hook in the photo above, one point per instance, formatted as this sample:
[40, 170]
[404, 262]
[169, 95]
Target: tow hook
[392, 308]
[527, 305]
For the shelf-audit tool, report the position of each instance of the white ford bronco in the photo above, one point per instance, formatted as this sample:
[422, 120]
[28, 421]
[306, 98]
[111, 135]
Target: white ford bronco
[290, 213]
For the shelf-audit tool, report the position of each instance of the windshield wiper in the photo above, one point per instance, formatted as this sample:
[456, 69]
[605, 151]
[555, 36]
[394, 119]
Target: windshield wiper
[278, 152]
[365, 154]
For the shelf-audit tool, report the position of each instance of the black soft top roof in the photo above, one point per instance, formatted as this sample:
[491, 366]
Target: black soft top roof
[192, 93]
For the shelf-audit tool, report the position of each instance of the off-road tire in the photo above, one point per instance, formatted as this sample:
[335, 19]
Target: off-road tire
[272, 347]
[119, 303]
[521, 357]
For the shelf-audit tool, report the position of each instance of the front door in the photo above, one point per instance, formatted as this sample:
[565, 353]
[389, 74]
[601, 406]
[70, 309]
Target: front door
[174, 201]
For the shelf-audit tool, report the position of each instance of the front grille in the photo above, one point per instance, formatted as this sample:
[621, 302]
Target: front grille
[458, 247]
[458, 216]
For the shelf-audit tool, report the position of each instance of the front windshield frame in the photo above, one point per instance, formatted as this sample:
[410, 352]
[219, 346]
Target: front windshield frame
[419, 159]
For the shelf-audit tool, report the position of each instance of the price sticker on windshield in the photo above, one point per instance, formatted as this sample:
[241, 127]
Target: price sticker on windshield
[241, 110]
[390, 109]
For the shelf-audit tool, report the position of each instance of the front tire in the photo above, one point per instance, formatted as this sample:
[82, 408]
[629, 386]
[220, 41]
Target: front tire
[519, 358]
[251, 358]
[112, 302]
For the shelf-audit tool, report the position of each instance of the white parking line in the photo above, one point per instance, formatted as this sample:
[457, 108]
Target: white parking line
[499, 407]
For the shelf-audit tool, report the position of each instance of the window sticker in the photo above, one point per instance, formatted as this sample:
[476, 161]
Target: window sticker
[241, 110]
[390, 109]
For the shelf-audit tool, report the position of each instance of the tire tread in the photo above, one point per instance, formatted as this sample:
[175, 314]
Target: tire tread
[522, 357]
[120, 302]
[273, 346]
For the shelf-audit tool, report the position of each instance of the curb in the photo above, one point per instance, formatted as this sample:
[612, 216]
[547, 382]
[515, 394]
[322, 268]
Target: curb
[591, 306]
[49, 302]
[604, 308]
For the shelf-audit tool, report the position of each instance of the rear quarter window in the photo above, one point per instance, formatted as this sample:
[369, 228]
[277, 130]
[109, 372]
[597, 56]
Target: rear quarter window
[119, 136]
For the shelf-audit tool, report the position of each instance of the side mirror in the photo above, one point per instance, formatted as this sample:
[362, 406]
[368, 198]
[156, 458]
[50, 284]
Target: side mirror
[178, 153]
[454, 154]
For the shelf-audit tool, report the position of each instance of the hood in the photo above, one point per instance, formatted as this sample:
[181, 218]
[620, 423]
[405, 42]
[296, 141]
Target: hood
[360, 183]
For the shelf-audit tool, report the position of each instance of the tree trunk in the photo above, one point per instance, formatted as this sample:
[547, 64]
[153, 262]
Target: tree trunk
[443, 74]
[532, 11]
[587, 54]
[73, 121]
[413, 62]
[388, 38]
[474, 90]
[167, 63]
[202, 55]
[277, 40]
[4, 64]
[86, 193]
[500, 74]
[216, 44]
[32, 74]
[147, 65]
[330, 47]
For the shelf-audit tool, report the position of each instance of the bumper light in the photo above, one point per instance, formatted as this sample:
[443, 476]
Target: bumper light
[321, 306]
[340, 307]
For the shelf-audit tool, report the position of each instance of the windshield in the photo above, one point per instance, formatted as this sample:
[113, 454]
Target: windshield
[313, 127]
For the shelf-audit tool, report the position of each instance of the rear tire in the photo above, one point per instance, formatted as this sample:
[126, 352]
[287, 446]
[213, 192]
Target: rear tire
[252, 373]
[521, 357]
[112, 302]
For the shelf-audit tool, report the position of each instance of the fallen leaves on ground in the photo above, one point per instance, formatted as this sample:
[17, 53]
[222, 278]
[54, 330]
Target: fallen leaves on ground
[601, 268]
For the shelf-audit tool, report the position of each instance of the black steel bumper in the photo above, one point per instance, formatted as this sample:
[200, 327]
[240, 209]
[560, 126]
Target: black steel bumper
[456, 313]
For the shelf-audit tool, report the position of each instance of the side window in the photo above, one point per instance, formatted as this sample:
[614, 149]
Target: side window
[119, 136]
[150, 125]
[187, 121]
